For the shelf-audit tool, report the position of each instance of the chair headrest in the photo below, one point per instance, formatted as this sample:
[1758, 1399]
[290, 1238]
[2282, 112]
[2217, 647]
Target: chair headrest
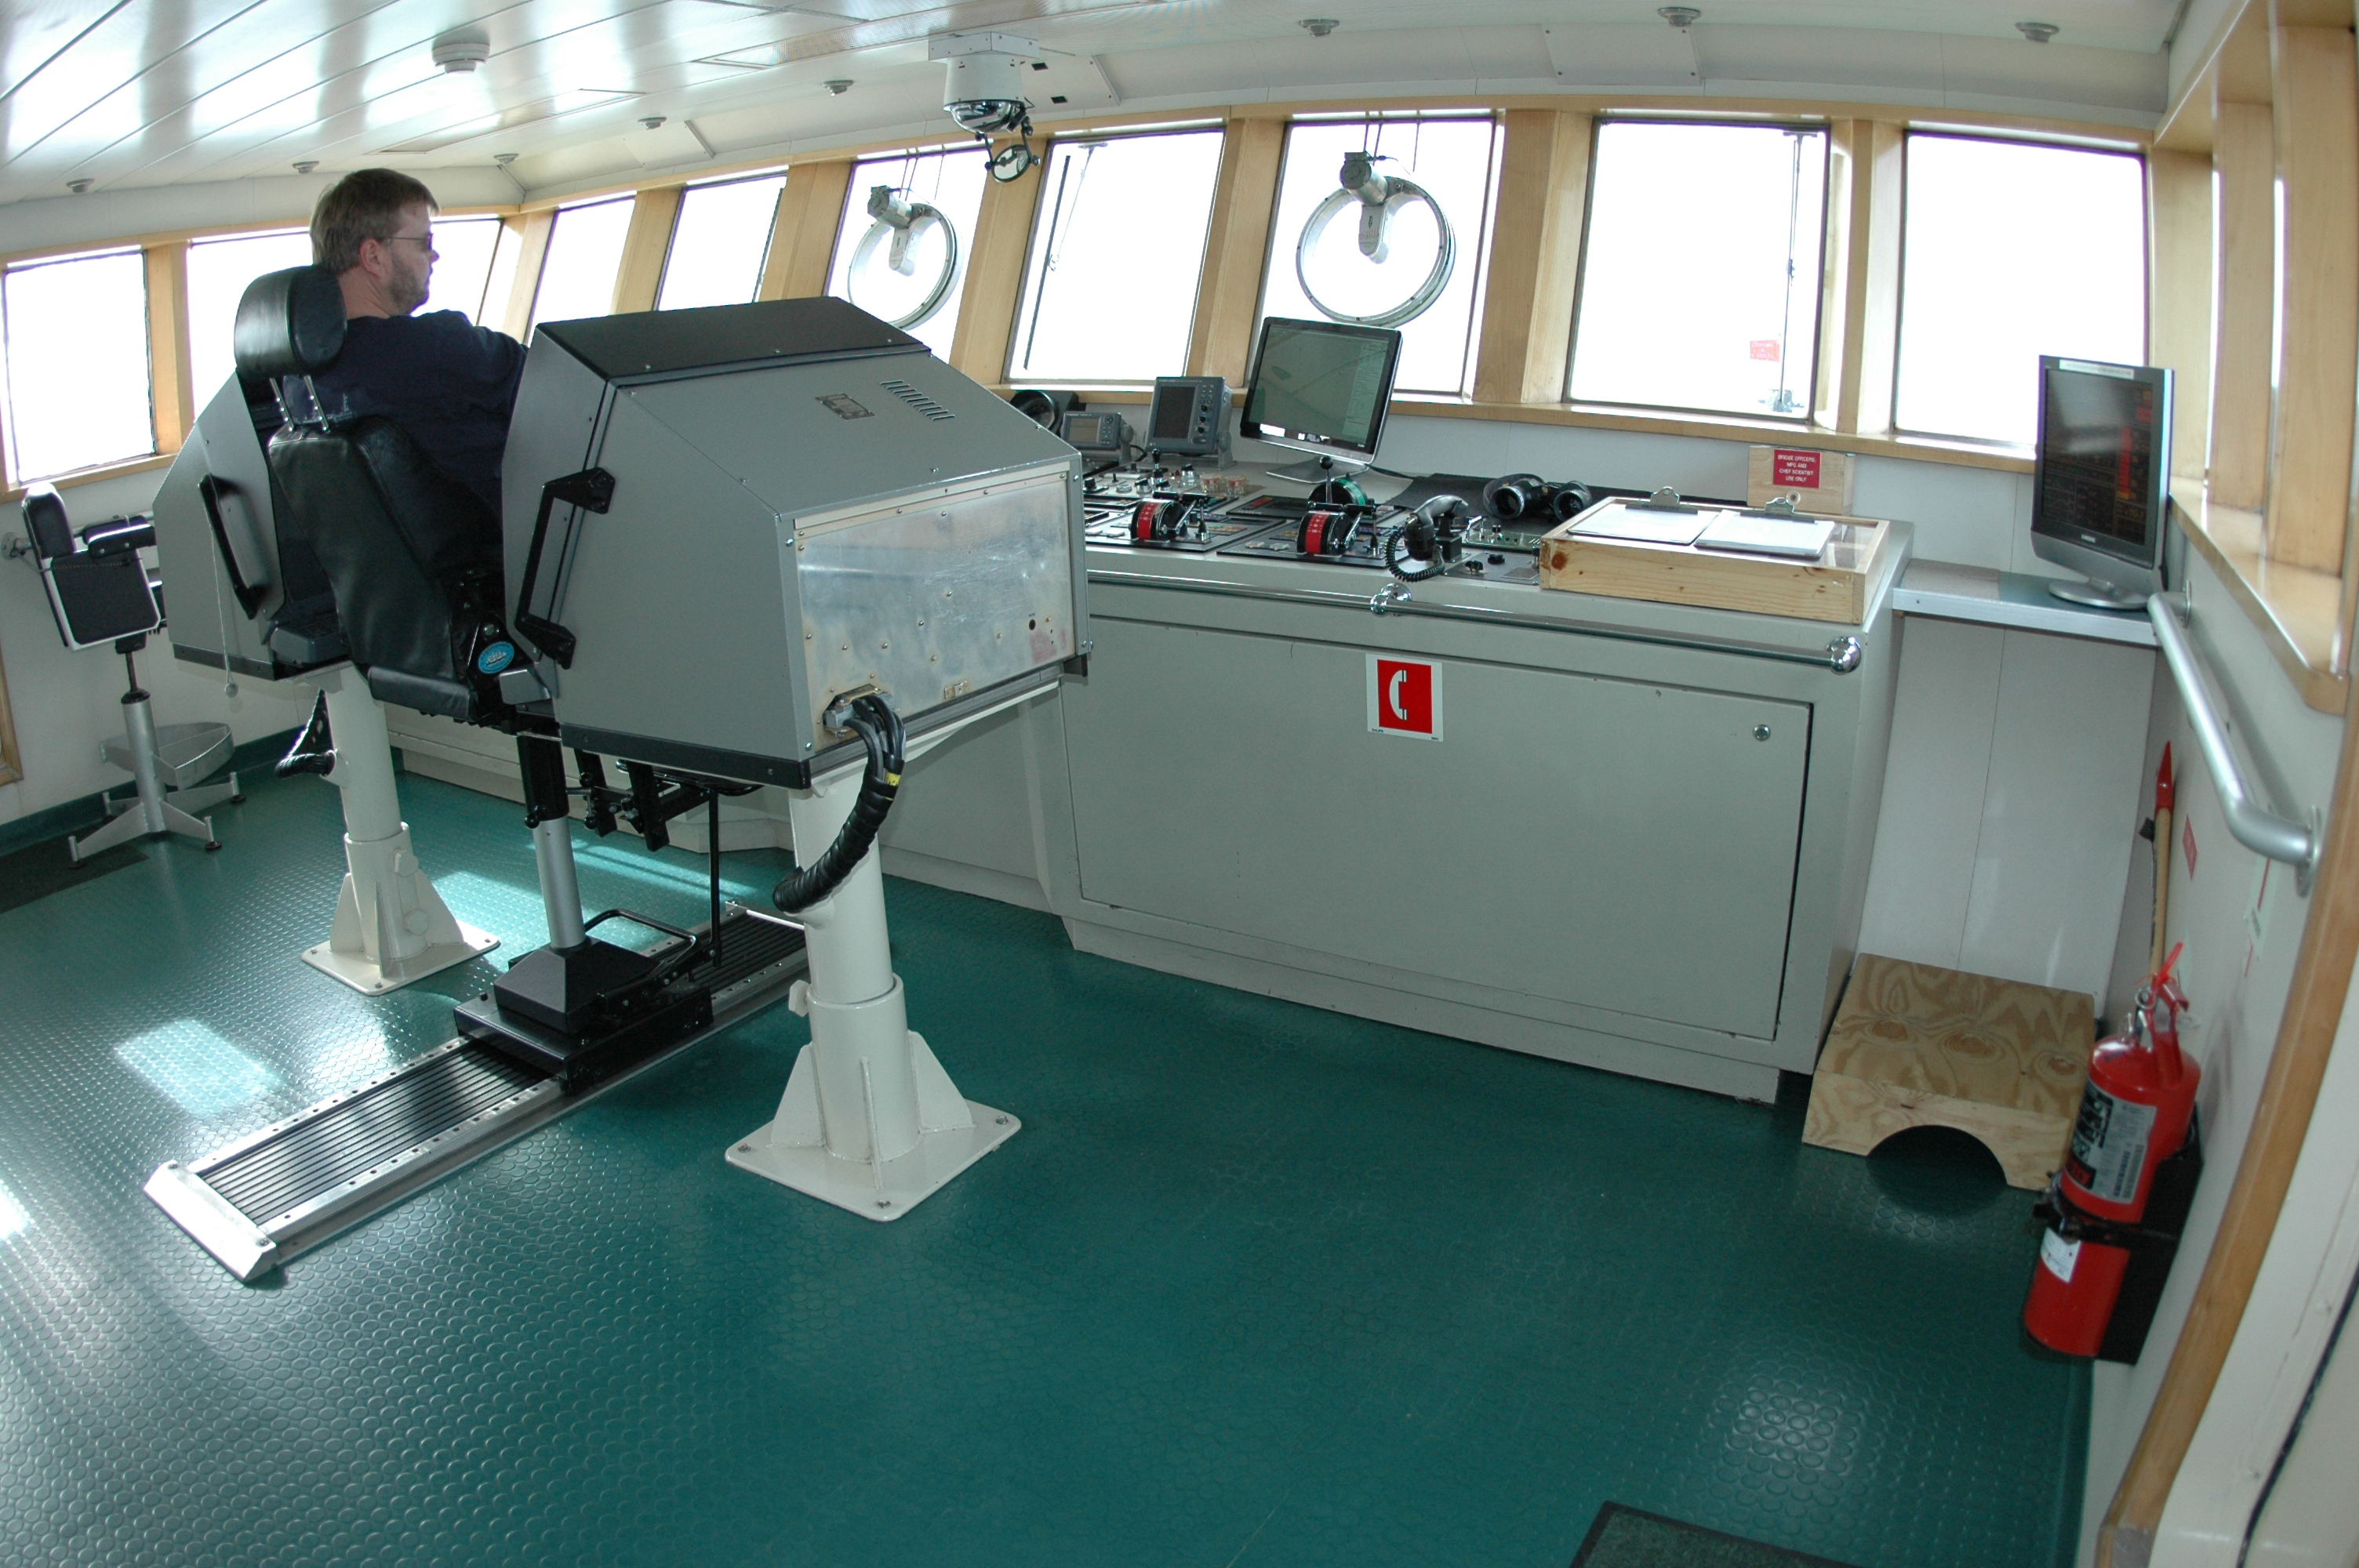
[45, 519]
[290, 323]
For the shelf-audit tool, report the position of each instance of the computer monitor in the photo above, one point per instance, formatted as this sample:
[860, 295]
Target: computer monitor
[1322, 388]
[2100, 488]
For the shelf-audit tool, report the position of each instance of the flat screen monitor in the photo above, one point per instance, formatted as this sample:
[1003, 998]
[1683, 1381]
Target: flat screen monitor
[1321, 386]
[2100, 489]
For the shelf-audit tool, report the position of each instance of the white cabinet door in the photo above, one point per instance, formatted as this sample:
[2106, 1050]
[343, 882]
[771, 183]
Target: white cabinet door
[1608, 843]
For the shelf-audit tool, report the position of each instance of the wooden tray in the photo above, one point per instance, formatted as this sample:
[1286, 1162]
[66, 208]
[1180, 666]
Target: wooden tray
[1837, 587]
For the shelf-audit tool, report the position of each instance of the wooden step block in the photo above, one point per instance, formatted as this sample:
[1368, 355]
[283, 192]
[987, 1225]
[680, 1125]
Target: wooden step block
[1918, 1047]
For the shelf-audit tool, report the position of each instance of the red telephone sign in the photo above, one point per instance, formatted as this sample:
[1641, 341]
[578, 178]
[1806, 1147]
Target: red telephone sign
[1404, 696]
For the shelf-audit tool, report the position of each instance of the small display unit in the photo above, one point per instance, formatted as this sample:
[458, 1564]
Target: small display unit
[2099, 498]
[1189, 416]
[1321, 387]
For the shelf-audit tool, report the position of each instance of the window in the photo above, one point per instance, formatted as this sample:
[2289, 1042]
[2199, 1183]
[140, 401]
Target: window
[586, 253]
[719, 244]
[938, 196]
[219, 271]
[2010, 251]
[1110, 290]
[1700, 283]
[463, 248]
[76, 345]
[1424, 278]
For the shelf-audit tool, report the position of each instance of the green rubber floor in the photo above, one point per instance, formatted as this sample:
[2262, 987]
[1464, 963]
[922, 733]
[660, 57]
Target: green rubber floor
[1257, 1284]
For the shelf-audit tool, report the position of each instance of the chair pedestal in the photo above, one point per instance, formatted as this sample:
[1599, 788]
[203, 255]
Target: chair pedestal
[391, 927]
[154, 809]
[869, 1122]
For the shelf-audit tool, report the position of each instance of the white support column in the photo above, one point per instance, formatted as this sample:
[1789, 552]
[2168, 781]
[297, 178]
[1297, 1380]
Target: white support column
[870, 1121]
[391, 927]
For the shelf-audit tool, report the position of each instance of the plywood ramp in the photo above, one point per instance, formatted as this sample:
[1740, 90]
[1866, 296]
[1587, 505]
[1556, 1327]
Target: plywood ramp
[1919, 1046]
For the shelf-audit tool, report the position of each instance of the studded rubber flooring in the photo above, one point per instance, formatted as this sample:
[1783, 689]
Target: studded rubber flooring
[1256, 1283]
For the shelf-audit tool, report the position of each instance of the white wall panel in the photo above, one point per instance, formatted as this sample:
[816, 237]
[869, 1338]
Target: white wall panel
[1922, 877]
[2060, 812]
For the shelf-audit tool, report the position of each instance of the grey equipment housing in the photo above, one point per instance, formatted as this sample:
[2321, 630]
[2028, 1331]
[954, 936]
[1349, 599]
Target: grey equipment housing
[245, 595]
[807, 504]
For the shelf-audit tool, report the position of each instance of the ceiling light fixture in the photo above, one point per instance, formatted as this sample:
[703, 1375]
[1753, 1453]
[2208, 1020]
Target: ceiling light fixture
[1319, 27]
[79, 186]
[653, 122]
[1680, 17]
[840, 86]
[305, 165]
[2038, 32]
[462, 48]
[504, 160]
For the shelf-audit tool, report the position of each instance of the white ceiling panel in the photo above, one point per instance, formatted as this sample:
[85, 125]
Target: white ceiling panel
[2116, 78]
[138, 92]
[1909, 61]
[122, 47]
[33, 32]
[1623, 54]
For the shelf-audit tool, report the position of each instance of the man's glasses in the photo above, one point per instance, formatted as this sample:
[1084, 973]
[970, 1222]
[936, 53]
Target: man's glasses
[427, 241]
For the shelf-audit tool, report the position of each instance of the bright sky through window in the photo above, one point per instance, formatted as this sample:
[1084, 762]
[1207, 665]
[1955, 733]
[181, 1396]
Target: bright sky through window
[1699, 285]
[1451, 161]
[465, 247]
[219, 271]
[718, 242]
[585, 255]
[1117, 250]
[76, 342]
[952, 184]
[2010, 251]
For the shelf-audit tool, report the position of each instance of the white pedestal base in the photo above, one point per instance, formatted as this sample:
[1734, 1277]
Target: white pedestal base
[391, 927]
[792, 1150]
[365, 974]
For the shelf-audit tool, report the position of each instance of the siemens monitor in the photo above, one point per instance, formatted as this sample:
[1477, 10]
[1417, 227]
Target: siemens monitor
[1321, 387]
[2100, 499]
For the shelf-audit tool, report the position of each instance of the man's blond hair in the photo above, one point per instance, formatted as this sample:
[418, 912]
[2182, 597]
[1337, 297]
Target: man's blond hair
[366, 204]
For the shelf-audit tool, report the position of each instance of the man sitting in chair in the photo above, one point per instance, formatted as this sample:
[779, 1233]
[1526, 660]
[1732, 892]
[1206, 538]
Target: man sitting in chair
[448, 383]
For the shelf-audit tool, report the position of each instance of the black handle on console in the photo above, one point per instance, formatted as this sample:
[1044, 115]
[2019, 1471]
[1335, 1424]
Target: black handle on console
[591, 489]
[249, 596]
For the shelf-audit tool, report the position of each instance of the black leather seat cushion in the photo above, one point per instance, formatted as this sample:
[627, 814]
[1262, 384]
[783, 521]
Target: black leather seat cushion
[407, 548]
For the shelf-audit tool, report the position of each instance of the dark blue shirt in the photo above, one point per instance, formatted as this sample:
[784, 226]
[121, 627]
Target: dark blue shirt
[450, 383]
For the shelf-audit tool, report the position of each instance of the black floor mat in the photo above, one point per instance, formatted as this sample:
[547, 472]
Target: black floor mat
[1628, 1538]
[46, 868]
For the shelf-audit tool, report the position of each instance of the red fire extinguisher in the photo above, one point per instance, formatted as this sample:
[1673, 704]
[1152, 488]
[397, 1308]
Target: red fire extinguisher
[2134, 1115]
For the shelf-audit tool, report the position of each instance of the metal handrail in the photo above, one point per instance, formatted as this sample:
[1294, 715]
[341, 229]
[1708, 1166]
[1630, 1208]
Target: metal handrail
[1842, 655]
[2253, 826]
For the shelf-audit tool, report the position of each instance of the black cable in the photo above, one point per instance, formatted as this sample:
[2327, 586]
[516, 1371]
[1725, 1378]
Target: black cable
[712, 861]
[879, 728]
[1423, 532]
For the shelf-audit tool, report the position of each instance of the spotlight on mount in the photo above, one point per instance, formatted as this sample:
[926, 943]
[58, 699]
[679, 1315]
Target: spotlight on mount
[462, 48]
[984, 92]
[1680, 17]
[2038, 32]
[1319, 27]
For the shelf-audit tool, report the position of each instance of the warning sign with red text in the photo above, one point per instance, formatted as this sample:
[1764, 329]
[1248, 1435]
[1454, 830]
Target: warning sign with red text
[1404, 697]
[1790, 468]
